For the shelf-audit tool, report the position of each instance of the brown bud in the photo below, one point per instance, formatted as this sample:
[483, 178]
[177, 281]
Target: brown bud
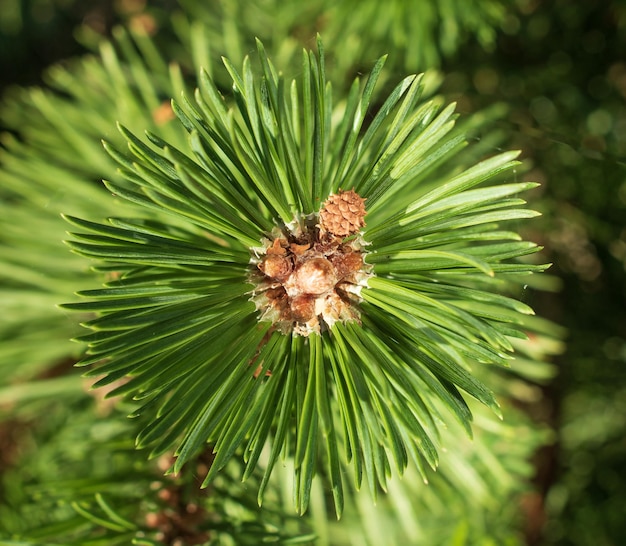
[303, 308]
[278, 300]
[315, 276]
[346, 264]
[342, 213]
[276, 266]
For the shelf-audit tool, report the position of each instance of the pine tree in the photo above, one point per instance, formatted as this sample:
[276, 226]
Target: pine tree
[302, 282]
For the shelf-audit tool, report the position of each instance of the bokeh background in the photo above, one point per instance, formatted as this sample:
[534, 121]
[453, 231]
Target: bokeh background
[559, 66]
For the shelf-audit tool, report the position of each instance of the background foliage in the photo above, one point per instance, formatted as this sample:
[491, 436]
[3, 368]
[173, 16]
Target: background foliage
[556, 67]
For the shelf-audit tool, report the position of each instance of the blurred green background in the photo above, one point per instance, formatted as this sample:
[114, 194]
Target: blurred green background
[560, 66]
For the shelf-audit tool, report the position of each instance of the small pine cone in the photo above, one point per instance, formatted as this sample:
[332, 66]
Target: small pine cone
[342, 213]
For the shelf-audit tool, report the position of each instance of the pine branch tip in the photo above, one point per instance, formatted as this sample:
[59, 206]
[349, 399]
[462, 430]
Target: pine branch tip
[145, 190]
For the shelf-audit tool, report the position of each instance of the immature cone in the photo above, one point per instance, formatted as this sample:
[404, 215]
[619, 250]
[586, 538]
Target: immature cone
[309, 276]
[342, 213]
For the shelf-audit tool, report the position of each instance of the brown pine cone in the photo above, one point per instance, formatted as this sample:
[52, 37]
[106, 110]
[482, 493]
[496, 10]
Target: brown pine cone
[342, 213]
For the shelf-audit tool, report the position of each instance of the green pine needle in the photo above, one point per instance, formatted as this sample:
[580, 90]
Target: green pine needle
[176, 323]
